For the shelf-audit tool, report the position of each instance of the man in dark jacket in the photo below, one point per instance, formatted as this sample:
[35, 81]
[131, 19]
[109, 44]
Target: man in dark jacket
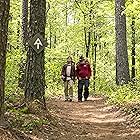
[68, 76]
[83, 72]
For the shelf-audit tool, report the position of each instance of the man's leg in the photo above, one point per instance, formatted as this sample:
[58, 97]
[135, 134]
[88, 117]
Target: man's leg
[70, 86]
[86, 92]
[80, 90]
[66, 90]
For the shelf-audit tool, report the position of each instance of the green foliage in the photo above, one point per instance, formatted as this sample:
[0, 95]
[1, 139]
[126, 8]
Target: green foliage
[12, 70]
[21, 119]
[123, 94]
[13, 51]
[33, 124]
[66, 37]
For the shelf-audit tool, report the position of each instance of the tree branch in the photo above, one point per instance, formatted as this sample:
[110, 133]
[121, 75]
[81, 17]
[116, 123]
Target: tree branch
[79, 6]
[48, 8]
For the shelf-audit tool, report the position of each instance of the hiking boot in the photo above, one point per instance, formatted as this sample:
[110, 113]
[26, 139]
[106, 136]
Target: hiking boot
[66, 100]
[70, 100]
[79, 100]
[85, 99]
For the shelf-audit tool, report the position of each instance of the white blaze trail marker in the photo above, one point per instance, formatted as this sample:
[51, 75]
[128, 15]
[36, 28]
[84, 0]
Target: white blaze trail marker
[38, 43]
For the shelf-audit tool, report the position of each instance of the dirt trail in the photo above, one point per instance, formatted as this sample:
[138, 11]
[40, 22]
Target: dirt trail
[90, 120]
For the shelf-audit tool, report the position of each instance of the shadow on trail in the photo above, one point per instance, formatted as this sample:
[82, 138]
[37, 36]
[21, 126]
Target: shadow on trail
[90, 120]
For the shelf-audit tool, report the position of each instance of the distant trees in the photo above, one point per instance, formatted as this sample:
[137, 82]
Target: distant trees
[88, 23]
[89, 31]
[4, 17]
[122, 65]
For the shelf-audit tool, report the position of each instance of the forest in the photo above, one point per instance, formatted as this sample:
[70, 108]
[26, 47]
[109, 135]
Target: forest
[105, 32]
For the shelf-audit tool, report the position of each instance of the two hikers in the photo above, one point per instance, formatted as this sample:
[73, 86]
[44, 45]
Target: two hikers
[82, 72]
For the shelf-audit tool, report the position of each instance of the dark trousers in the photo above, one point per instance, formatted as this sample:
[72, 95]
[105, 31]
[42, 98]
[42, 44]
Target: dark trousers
[83, 83]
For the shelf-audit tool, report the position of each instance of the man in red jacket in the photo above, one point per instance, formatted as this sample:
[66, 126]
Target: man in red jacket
[83, 73]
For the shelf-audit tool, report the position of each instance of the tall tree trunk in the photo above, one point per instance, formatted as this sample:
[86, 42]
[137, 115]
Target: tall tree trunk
[66, 24]
[133, 74]
[50, 35]
[122, 65]
[85, 35]
[55, 40]
[24, 42]
[88, 44]
[100, 45]
[35, 75]
[24, 23]
[4, 15]
[94, 55]
[89, 31]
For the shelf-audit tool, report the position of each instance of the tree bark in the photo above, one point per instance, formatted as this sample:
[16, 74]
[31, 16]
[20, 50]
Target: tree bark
[94, 55]
[85, 35]
[122, 65]
[50, 35]
[88, 44]
[35, 75]
[66, 24]
[24, 23]
[4, 15]
[89, 31]
[133, 74]
[24, 43]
